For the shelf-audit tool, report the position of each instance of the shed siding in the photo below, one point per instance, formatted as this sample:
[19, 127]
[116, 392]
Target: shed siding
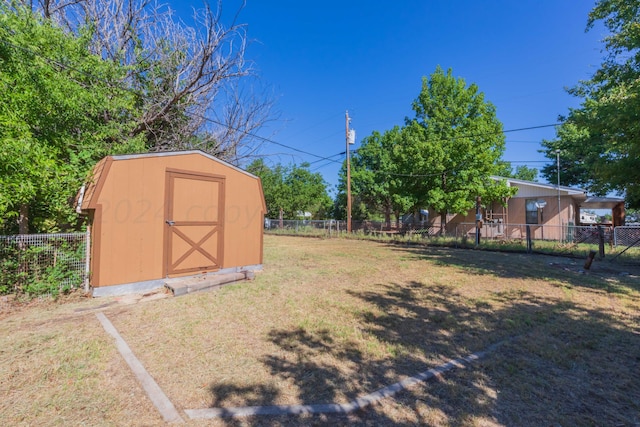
[131, 238]
[132, 201]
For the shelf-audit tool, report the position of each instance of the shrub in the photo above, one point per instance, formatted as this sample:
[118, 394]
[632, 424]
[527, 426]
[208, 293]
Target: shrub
[47, 269]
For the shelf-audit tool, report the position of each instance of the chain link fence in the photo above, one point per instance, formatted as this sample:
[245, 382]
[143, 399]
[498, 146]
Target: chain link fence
[332, 227]
[37, 264]
[555, 239]
[627, 236]
[52, 263]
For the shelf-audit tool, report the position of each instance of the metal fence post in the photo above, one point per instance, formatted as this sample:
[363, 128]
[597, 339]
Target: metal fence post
[87, 258]
[600, 242]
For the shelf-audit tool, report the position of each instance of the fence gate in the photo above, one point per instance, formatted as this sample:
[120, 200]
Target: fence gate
[194, 222]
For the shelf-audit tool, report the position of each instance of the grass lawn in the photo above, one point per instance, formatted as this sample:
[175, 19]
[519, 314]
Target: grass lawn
[330, 320]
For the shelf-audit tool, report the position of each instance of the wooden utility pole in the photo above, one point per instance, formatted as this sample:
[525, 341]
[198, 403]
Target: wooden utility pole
[478, 219]
[348, 174]
[559, 208]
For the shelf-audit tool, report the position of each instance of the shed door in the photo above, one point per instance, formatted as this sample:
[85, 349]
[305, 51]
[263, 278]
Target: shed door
[194, 219]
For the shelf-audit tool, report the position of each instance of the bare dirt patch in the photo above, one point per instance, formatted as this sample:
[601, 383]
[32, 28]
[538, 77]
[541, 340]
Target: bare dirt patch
[330, 320]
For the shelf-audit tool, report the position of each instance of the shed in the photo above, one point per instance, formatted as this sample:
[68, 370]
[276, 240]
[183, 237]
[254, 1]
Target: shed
[170, 214]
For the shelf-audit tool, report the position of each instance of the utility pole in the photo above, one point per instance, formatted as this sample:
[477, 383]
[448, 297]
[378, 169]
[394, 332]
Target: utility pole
[558, 173]
[347, 135]
[478, 220]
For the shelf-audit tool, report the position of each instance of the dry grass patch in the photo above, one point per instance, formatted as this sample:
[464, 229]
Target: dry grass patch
[57, 368]
[330, 320]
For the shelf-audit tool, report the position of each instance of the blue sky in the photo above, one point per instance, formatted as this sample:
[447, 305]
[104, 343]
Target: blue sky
[323, 58]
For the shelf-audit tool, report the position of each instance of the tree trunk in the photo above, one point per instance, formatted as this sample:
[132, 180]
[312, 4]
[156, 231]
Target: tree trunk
[23, 219]
[387, 216]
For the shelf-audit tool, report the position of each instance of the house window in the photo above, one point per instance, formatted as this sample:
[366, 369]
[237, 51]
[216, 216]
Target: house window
[531, 206]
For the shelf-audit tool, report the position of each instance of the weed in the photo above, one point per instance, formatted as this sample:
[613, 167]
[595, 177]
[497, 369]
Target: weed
[298, 335]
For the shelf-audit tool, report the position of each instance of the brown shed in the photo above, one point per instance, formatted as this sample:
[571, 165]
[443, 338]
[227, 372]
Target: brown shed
[160, 215]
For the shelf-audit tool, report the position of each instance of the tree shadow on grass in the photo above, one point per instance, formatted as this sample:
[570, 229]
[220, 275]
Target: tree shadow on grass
[565, 364]
[305, 364]
[560, 363]
[229, 395]
[612, 278]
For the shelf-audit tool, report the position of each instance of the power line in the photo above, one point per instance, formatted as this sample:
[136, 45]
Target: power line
[329, 159]
[471, 136]
[531, 127]
[335, 155]
[60, 65]
[320, 166]
[271, 141]
[504, 131]
[526, 161]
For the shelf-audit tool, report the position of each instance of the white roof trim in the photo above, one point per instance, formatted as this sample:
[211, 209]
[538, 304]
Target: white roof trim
[569, 190]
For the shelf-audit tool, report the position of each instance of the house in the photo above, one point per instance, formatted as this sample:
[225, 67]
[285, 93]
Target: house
[304, 215]
[170, 214]
[548, 208]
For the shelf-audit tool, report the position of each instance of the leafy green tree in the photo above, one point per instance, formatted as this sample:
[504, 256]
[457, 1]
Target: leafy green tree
[60, 112]
[599, 142]
[359, 210]
[376, 181]
[504, 168]
[523, 172]
[526, 173]
[272, 185]
[442, 159]
[452, 146]
[578, 157]
[307, 192]
[293, 189]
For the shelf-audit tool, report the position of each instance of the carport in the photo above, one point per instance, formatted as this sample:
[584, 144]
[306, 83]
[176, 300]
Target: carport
[616, 205]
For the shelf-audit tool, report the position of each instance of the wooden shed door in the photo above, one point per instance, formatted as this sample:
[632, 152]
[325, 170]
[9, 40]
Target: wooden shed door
[194, 219]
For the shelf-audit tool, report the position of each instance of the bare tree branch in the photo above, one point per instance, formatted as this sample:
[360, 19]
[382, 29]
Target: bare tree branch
[183, 75]
[245, 111]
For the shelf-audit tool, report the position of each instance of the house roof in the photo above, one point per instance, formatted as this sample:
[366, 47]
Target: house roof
[180, 153]
[536, 187]
[85, 197]
[601, 202]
